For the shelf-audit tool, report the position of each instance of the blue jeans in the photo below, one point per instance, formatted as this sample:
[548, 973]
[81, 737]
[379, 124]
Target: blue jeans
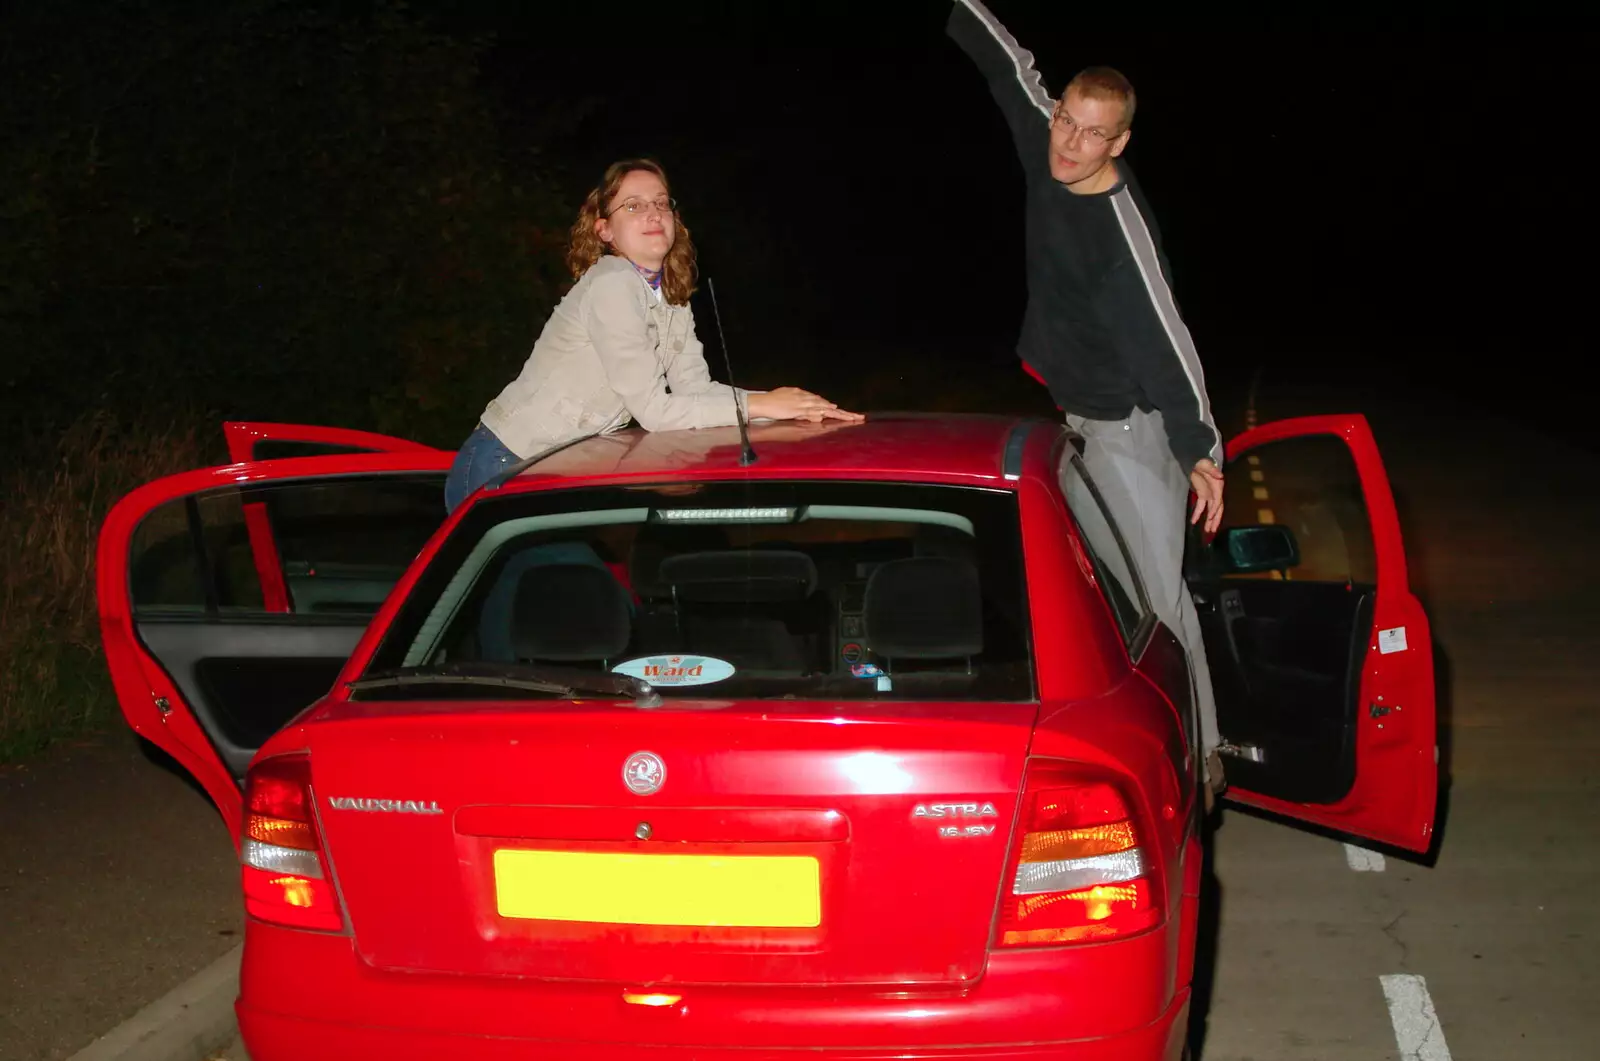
[481, 458]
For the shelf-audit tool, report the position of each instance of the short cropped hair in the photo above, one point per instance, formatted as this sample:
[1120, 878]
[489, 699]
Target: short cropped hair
[1105, 83]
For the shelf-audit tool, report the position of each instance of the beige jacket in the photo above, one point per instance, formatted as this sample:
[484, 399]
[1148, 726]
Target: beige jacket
[611, 352]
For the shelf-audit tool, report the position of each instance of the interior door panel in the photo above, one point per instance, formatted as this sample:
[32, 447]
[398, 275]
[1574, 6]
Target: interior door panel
[245, 680]
[1285, 661]
[1320, 654]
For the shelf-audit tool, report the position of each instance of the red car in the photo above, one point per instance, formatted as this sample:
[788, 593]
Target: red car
[870, 748]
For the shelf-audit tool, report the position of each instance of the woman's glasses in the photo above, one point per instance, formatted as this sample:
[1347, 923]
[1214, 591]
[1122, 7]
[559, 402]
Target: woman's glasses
[661, 204]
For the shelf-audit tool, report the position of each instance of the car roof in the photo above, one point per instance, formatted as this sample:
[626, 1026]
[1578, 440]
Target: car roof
[980, 448]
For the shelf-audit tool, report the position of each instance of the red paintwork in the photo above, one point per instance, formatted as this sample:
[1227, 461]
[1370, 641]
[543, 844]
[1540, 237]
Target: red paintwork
[242, 437]
[1030, 370]
[308, 996]
[268, 561]
[1163, 666]
[898, 907]
[904, 964]
[1397, 777]
[947, 448]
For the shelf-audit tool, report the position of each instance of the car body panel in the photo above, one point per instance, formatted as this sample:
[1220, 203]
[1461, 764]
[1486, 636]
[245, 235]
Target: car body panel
[862, 787]
[1082, 1003]
[919, 974]
[256, 440]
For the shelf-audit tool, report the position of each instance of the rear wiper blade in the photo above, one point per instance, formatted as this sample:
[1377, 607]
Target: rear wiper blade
[561, 681]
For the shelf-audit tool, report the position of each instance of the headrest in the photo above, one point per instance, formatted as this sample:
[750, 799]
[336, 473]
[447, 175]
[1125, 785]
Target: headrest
[925, 607]
[570, 612]
[933, 539]
[655, 543]
[744, 575]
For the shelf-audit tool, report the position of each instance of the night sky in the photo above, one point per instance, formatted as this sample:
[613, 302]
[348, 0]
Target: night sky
[1400, 206]
[1381, 205]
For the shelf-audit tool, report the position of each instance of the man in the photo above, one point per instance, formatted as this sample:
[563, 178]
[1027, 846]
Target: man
[1102, 330]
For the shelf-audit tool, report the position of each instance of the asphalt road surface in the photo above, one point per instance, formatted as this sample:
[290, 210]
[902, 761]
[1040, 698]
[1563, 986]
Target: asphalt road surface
[1322, 951]
[1327, 952]
[118, 882]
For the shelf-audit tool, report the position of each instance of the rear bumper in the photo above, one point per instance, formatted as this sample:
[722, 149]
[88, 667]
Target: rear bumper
[308, 997]
[271, 1038]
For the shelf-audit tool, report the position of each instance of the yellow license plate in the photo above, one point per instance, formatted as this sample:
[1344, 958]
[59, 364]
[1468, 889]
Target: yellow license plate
[743, 891]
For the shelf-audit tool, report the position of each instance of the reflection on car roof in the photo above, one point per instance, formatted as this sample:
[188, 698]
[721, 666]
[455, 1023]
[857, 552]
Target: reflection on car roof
[949, 446]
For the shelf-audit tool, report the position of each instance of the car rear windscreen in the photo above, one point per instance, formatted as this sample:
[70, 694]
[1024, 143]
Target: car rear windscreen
[748, 590]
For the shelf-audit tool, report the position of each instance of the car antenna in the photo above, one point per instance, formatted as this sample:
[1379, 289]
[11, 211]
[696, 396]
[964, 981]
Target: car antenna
[747, 455]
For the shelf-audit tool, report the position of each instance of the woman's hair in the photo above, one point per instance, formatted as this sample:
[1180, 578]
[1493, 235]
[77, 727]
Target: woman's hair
[679, 271]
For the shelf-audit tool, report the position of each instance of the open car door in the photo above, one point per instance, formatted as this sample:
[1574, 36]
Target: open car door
[202, 666]
[260, 441]
[1321, 657]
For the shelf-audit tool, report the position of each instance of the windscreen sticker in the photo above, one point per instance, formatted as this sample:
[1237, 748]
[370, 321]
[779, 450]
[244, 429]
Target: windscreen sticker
[676, 670]
[1392, 640]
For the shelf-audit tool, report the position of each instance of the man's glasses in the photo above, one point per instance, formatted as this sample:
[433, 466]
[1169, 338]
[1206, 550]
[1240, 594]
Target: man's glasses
[1096, 135]
[661, 204]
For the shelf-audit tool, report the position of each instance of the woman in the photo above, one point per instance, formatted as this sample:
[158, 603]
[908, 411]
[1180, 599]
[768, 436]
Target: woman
[621, 345]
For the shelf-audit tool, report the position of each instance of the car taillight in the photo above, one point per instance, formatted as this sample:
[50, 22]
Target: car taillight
[1077, 872]
[282, 850]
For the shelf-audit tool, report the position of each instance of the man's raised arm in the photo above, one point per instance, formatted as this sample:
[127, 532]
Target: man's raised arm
[1009, 69]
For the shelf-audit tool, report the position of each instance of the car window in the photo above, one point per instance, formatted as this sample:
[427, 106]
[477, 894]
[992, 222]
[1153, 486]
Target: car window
[1310, 485]
[345, 543]
[755, 590]
[1108, 552]
[340, 545]
[267, 449]
[193, 555]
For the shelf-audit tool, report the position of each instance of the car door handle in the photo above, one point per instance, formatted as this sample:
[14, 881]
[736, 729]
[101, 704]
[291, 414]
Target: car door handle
[1232, 604]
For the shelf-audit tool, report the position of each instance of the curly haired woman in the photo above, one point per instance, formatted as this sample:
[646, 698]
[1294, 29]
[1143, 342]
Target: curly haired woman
[621, 344]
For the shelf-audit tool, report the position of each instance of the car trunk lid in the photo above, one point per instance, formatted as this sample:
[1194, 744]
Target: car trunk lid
[705, 842]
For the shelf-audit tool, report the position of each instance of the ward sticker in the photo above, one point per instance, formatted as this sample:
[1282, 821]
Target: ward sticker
[676, 670]
[1392, 640]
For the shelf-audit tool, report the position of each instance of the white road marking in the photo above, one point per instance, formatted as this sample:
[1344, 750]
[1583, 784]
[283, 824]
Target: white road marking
[1260, 493]
[1256, 475]
[1363, 861]
[1253, 459]
[1264, 515]
[1416, 1025]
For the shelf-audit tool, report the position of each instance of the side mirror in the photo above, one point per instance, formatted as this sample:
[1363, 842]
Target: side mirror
[1263, 547]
